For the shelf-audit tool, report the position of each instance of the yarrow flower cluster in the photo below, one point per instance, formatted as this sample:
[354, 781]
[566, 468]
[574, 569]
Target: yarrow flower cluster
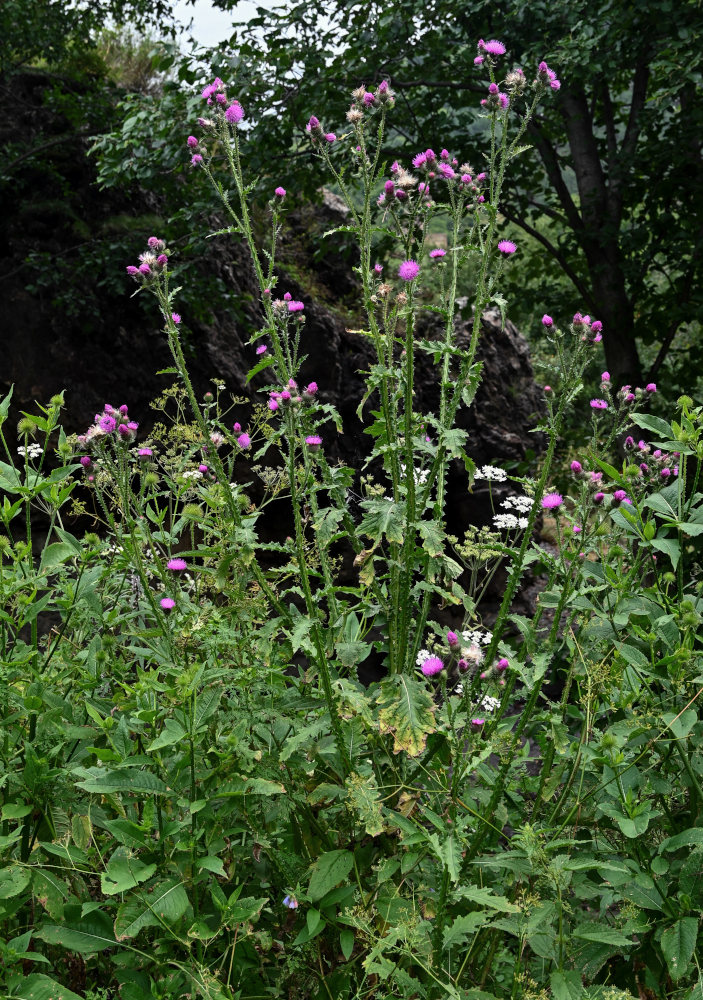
[491, 472]
[32, 451]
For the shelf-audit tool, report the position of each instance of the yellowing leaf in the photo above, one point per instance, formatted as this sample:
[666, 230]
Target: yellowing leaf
[406, 710]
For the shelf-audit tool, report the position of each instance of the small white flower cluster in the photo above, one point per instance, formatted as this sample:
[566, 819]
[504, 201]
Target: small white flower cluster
[192, 474]
[521, 504]
[492, 473]
[420, 474]
[476, 637]
[488, 704]
[423, 655]
[509, 521]
[32, 450]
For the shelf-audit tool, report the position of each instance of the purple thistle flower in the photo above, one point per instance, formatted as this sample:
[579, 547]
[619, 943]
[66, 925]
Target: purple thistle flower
[452, 639]
[313, 441]
[330, 137]
[409, 270]
[547, 320]
[502, 664]
[478, 723]
[650, 387]
[177, 565]
[107, 423]
[550, 501]
[598, 497]
[280, 192]
[478, 61]
[234, 113]
[192, 142]
[432, 665]
[576, 467]
[145, 453]
[494, 47]
[620, 496]
[261, 349]
[419, 160]
[507, 246]
[596, 326]
[295, 306]
[167, 603]
[196, 159]
[437, 253]
[176, 318]
[132, 270]
[244, 441]
[599, 404]
[144, 269]
[85, 461]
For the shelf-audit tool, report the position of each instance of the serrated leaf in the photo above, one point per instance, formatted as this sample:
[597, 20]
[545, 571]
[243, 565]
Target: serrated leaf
[55, 554]
[328, 871]
[462, 928]
[678, 943]
[243, 785]
[688, 838]
[172, 733]
[406, 710]
[485, 897]
[363, 800]
[566, 985]
[124, 871]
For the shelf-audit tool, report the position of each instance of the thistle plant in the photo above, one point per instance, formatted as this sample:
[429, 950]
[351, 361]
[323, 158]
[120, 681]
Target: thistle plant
[199, 796]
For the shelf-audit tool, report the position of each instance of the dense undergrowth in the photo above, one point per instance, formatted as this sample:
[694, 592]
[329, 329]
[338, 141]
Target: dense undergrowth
[198, 795]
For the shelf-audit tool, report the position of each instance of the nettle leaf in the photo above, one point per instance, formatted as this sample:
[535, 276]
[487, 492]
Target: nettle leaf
[566, 985]
[328, 871]
[678, 943]
[406, 709]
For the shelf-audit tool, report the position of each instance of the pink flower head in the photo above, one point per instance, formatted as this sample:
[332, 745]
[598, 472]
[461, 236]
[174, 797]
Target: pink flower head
[599, 404]
[502, 664]
[598, 497]
[313, 441]
[620, 496]
[132, 270]
[507, 246]
[202, 468]
[273, 405]
[295, 306]
[176, 318]
[446, 171]
[162, 260]
[432, 665]
[145, 453]
[310, 390]
[576, 467]
[605, 377]
[244, 441]
[650, 387]
[261, 349]
[85, 461]
[665, 473]
[419, 160]
[144, 269]
[547, 320]
[280, 192]
[494, 47]
[369, 98]
[452, 639]
[192, 141]
[478, 61]
[167, 603]
[196, 159]
[409, 270]
[596, 326]
[177, 565]
[477, 723]
[330, 137]
[107, 423]
[234, 113]
[550, 501]
[438, 253]
[287, 297]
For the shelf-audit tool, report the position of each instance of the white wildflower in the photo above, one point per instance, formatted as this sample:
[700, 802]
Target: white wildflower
[192, 474]
[488, 704]
[32, 450]
[507, 521]
[521, 504]
[423, 655]
[476, 637]
[492, 473]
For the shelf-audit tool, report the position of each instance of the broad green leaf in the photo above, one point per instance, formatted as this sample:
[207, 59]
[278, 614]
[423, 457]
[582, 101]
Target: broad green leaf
[681, 724]
[346, 942]
[656, 425]
[688, 838]
[55, 554]
[566, 985]
[166, 902]
[328, 871]
[462, 928]
[691, 876]
[172, 733]
[350, 654]
[124, 871]
[86, 935]
[406, 710]
[678, 943]
[382, 517]
[602, 934]
[245, 909]
[40, 987]
[102, 781]
[241, 784]
[13, 880]
[15, 810]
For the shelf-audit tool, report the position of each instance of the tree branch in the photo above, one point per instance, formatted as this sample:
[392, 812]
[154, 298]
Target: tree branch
[582, 289]
[556, 178]
[639, 97]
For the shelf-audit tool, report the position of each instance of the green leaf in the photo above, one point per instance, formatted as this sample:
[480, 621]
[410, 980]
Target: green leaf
[267, 361]
[681, 724]
[566, 985]
[462, 928]
[328, 871]
[670, 547]
[654, 424]
[123, 872]
[602, 934]
[678, 943]
[167, 902]
[87, 936]
[15, 810]
[13, 880]
[485, 897]
[172, 733]
[346, 942]
[350, 654]
[40, 987]
[406, 710]
[55, 554]
[101, 781]
[688, 838]
[241, 784]
[382, 517]
[245, 909]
